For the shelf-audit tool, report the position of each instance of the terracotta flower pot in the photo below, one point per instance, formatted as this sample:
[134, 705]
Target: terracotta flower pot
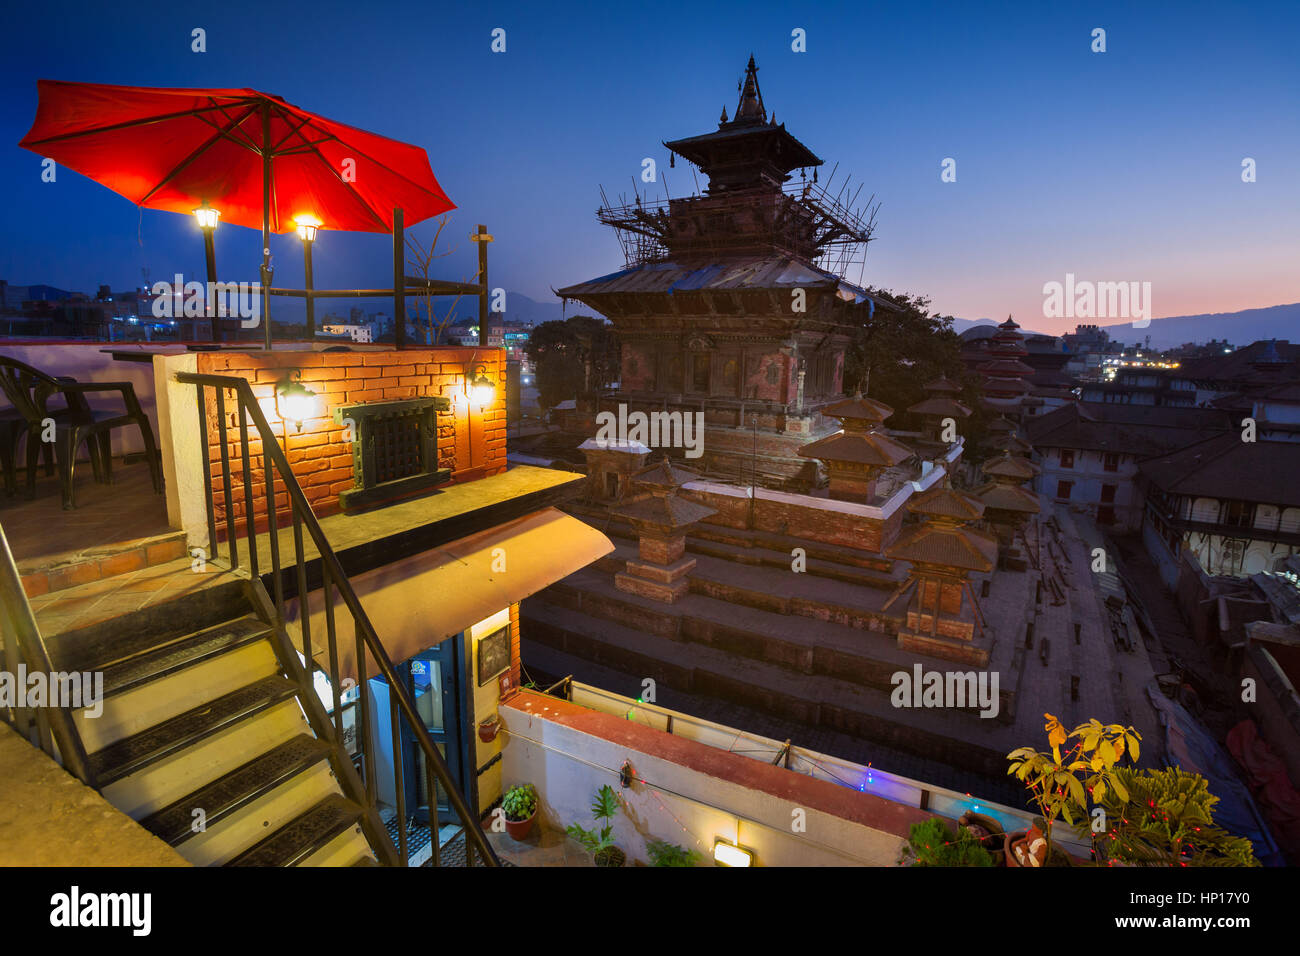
[519, 829]
[1055, 856]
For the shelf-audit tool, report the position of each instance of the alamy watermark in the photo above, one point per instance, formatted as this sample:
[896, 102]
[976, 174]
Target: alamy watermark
[952, 689]
[72, 690]
[1085, 299]
[195, 300]
[683, 430]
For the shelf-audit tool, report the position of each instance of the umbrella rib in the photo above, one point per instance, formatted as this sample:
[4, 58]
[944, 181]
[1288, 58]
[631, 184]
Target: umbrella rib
[386, 168]
[186, 161]
[350, 188]
[130, 123]
[296, 131]
[233, 129]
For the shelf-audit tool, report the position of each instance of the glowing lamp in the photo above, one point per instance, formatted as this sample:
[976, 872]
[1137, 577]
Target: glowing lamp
[729, 854]
[207, 216]
[307, 227]
[295, 402]
[481, 389]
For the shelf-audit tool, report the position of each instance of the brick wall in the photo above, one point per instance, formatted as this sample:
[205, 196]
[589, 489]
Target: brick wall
[471, 439]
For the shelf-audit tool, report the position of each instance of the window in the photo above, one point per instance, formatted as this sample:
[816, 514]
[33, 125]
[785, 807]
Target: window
[1063, 489]
[1108, 494]
[1067, 458]
[1110, 461]
[1238, 513]
[1105, 515]
[700, 372]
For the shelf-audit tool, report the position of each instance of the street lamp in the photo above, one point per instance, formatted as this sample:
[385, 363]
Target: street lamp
[308, 226]
[207, 217]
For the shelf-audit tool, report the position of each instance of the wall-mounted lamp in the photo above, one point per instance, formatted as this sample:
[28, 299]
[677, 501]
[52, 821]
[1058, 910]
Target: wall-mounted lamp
[729, 854]
[294, 401]
[481, 389]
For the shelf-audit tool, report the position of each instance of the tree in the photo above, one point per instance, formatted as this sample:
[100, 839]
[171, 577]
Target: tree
[894, 353]
[425, 320]
[573, 357]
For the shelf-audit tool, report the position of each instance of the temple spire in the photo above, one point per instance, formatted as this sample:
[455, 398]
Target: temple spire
[750, 108]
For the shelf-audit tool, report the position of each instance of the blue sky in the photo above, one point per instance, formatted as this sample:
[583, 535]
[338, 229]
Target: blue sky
[1123, 165]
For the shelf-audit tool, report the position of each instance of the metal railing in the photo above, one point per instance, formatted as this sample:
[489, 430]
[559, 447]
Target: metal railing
[334, 578]
[49, 728]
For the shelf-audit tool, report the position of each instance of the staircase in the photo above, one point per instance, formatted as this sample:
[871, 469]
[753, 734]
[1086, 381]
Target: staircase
[205, 740]
[213, 735]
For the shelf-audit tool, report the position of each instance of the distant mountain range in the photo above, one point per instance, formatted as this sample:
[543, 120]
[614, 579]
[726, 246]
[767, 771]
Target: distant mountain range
[1239, 328]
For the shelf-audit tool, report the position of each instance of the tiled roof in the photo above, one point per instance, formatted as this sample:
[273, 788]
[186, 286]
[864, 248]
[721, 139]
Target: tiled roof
[864, 448]
[1007, 498]
[667, 511]
[859, 408]
[940, 406]
[962, 548]
[1140, 430]
[1228, 468]
[746, 272]
[1007, 465]
[946, 503]
[663, 474]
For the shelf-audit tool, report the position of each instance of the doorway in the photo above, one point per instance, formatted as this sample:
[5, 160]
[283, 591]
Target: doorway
[438, 683]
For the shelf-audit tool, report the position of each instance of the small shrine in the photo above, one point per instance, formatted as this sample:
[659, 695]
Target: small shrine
[855, 456]
[661, 520]
[943, 615]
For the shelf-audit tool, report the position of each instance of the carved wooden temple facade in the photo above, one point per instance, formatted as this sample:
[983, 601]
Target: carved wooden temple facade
[734, 303]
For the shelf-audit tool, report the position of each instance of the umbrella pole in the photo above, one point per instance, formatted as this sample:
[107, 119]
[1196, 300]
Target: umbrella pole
[266, 223]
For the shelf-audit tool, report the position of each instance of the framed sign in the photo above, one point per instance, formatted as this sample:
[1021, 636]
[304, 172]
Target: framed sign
[493, 654]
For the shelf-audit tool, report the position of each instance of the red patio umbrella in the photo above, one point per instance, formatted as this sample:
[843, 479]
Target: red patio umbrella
[259, 160]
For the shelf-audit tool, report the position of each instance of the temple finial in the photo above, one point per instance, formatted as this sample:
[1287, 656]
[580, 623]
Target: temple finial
[750, 107]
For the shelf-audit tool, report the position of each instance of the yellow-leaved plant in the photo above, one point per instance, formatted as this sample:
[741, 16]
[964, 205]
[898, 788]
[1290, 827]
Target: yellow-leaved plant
[1065, 783]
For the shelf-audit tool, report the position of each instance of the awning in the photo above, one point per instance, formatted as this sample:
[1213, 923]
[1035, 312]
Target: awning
[420, 601]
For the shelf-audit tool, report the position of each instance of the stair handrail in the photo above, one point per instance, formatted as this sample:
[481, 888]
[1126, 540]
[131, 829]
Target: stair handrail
[302, 510]
[24, 644]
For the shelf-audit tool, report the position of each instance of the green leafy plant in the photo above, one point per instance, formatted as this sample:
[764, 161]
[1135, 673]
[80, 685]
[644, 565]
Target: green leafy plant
[1168, 820]
[602, 808]
[663, 853]
[520, 802]
[1061, 784]
[932, 843]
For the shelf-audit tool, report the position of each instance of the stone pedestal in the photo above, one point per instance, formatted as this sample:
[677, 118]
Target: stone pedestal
[659, 582]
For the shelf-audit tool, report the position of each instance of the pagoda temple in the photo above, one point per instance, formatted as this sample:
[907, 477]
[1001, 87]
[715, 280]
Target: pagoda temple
[733, 302]
[1005, 373]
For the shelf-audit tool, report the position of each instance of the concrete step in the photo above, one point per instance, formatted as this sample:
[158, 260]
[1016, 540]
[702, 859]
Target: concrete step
[301, 840]
[149, 704]
[962, 739]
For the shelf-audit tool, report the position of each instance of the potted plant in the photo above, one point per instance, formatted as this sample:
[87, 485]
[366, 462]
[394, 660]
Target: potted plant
[985, 828]
[1168, 820]
[520, 806]
[600, 844]
[1060, 784]
[933, 843]
[663, 853]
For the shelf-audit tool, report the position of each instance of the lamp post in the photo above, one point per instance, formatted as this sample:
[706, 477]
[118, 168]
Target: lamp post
[207, 217]
[308, 226]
